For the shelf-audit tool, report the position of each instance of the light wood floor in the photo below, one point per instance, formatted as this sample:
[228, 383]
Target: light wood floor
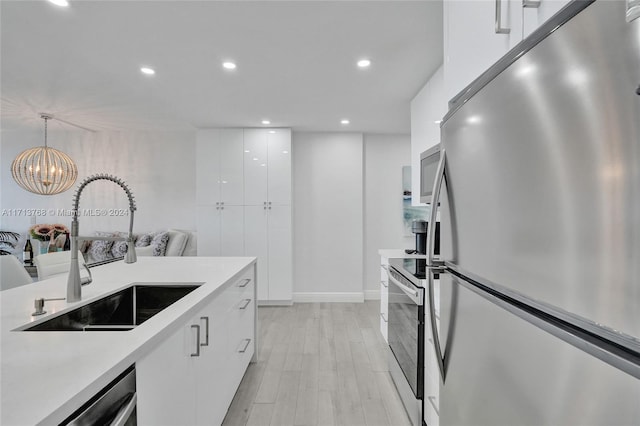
[318, 364]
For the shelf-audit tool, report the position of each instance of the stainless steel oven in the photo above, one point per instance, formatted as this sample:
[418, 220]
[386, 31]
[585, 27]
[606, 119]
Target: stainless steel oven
[406, 332]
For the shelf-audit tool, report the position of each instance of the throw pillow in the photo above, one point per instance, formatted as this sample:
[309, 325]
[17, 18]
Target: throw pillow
[177, 243]
[159, 243]
[144, 240]
[100, 249]
[119, 248]
[190, 246]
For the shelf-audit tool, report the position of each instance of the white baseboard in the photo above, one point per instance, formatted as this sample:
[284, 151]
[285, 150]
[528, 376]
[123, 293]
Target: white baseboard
[314, 297]
[275, 302]
[372, 295]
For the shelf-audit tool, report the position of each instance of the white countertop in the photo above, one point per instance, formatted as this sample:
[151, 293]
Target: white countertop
[46, 375]
[399, 254]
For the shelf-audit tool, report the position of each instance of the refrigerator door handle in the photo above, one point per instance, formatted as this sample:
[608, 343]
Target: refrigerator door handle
[435, 198]
[434, 329]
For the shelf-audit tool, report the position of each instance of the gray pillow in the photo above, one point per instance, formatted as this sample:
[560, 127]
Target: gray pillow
[159, 243]
[144, 240]
[100, 249]
[119, 248]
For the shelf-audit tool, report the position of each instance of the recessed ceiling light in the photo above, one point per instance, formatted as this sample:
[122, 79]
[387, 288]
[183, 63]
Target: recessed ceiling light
[147, 70]
[63, 3]
[263, 165]
[272, 131]
[229, 65]
[255, 159]
[285, 152]
[438, 121]
[266, 122]
[364, 63]
[246, 150]
[344, 121]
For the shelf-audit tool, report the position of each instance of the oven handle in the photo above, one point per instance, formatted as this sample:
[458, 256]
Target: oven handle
[415, 296]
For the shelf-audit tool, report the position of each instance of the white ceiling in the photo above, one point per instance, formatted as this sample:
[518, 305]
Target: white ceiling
[296, 63]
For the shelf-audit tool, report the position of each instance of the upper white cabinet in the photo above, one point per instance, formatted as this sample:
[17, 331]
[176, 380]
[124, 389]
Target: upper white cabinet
[220, 167]
[477, 34]
[279, 167]
[267, 165]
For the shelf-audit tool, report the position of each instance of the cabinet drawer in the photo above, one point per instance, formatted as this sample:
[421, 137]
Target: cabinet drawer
[242, 284]
[383, 272]
[384, 327]
[242, 338]
[384, 298]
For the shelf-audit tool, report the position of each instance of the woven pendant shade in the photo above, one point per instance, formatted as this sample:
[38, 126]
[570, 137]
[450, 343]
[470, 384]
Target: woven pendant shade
[44, 170]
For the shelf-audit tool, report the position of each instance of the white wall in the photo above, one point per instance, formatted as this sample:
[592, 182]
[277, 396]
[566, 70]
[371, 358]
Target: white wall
[428, 106]
[327, 216]
[385, 155]
[159, 167]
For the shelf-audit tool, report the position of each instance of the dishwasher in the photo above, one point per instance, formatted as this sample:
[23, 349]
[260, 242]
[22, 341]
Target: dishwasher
[115, 405]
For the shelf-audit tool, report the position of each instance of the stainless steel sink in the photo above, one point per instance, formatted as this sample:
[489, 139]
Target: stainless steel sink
[120, 311]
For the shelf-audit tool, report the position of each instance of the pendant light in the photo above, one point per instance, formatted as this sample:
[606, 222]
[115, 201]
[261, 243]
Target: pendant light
[44, 170]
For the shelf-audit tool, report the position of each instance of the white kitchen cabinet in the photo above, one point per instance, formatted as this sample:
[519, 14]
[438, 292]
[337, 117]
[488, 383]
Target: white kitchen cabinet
[220, 167]
[268, 237]
[268, 227]
[219, 192]
[165, 378]
[256, 221]
[280, 253]
[471, 43]
[192, 376]
[279, 167]
[220, 230]
[255, 166]
[267, 166]
[384, 298]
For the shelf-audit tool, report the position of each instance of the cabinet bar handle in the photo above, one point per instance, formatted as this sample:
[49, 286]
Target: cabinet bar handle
[383, 317]
[243, 350]
[531, 3]
[499, 28]
[385, 267]
[197, 352]
[246, 303]
[384, 284]
[206, 333]
[245, 282]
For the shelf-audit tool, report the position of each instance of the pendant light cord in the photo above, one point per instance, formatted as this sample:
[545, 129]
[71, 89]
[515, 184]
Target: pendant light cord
[45, 131]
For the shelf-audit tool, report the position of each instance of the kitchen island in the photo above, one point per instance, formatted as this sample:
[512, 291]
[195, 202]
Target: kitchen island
[47, 375]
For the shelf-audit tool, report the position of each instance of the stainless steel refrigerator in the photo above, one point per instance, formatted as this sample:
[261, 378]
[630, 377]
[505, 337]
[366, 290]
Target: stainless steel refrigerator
[539, 192]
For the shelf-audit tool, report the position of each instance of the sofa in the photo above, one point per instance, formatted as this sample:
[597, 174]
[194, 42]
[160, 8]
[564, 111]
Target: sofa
[170, 242]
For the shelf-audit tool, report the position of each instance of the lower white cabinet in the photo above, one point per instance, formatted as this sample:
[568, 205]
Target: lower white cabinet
[166, 382]
[268, 237]
[192, 376]
[222, 230]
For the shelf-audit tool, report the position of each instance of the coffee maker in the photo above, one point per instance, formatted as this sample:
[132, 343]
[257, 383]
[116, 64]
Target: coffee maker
[420, 229]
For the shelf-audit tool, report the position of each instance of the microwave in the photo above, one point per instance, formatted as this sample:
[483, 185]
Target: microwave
[429, 161]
